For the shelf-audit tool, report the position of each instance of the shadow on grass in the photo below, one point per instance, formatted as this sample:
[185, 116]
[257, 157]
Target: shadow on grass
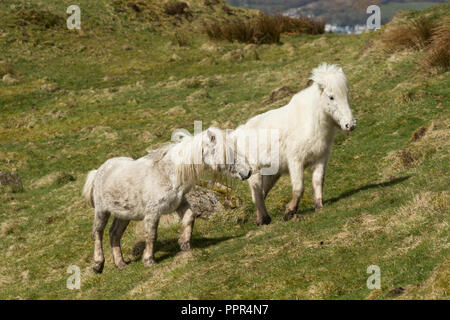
[366, 187]
[354, 191]
[171, 247]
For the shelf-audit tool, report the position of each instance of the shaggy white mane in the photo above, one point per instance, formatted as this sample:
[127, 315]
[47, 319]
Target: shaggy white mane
[187, 154]
[330, 76]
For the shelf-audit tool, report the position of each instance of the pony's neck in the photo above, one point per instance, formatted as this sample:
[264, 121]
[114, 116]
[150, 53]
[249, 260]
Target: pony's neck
[324, 122]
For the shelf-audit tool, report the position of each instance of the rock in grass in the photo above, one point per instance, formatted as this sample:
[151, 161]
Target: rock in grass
[10, 181]
[203, 201]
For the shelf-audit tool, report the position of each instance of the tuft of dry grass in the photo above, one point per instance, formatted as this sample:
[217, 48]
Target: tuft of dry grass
[6, 68]
[438, 53]
[182, 38]
[414, 34]
[300, 25]
[262, 29]
[176, 8]
[259, 30]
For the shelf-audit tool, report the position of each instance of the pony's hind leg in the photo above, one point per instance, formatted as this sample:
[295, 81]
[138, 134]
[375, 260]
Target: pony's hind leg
[187, 224]
[100, 220]
[151, 232]
[116, 231]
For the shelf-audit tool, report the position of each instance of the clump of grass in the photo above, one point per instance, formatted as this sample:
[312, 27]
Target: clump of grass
[6, 68]
[300, 25]
[266, 30]
[64, 178]
[176, 8]
[262, 29]
[413, 34]
[38, 18]
[182, 38]
[438, 53]
[258, 30]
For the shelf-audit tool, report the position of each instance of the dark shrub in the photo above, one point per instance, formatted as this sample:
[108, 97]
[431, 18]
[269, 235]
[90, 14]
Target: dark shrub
[176, 8]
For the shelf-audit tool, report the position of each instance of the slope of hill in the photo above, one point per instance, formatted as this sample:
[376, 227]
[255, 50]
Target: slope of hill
[125, 82]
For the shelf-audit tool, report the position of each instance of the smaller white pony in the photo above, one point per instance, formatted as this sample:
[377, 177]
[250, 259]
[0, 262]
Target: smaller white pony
[155, 184]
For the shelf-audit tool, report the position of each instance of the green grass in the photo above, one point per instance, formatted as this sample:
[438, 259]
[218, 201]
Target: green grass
[116, 85]
[388, 11]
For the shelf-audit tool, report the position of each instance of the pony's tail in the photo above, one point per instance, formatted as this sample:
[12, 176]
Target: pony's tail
[89, 187]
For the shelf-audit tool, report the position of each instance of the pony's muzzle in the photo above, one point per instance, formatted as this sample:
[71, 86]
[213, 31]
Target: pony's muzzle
[350, 126]
[245, 176]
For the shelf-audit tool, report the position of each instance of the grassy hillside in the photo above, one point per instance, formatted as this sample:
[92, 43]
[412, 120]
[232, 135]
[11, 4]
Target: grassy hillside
[125, 83]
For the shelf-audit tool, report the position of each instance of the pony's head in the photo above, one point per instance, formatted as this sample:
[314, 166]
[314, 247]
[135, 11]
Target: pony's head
[333, 87]
[220, 155]
[207, 150]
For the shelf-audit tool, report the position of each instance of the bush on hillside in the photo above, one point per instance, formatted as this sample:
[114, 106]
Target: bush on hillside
[438, 53]
[414, 34]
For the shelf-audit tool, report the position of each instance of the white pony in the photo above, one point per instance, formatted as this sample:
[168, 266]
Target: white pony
[155, 184]
[306, 128]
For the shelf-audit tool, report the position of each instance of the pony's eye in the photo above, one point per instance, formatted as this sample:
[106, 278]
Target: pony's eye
[331, 98]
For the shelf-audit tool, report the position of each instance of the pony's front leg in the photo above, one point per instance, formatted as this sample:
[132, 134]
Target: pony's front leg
[296, 171]
[187, 225]
[256, 187]
[100, 220]
[151, 222]
[318, 175]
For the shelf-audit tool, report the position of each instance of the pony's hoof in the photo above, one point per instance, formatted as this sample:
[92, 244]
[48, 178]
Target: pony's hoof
[149, 262]
[98, 267]
[185, 246]
[318, 207]
[263, 221]
[288, 215]
[121, 265]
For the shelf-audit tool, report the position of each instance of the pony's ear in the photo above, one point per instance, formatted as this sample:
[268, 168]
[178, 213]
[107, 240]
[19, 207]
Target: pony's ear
[211, 136]
[321, 87]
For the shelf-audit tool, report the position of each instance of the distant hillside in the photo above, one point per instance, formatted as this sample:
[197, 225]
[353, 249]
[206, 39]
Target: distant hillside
[341, 12]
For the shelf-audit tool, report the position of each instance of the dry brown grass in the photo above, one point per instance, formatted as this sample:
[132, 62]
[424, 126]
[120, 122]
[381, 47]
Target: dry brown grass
[300, 25]
[414, 34]
[259, 30]
[262, 29]
[438, 54]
